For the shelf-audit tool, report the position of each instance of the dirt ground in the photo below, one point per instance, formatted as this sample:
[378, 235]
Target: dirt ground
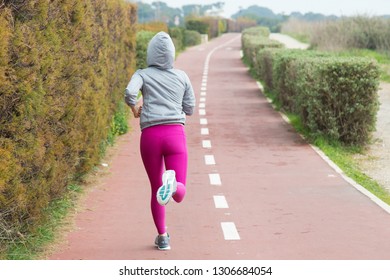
[376, 161]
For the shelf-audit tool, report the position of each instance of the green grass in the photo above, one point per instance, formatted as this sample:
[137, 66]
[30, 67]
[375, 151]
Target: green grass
[31, 246]
[344, 157]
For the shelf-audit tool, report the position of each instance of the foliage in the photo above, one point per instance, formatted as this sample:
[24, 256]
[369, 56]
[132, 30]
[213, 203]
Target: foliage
[177, 34]
[253, 39]
[183, 38]
[358, 32]
[143, 38]
[212, 26]
[334, 96]
[153, 26]
[197, 25]
[382, 58]
[33, 245]
[63, 65]
[191, 38]
[338, 97]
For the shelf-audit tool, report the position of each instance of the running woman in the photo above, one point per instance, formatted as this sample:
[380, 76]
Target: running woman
[168, 97]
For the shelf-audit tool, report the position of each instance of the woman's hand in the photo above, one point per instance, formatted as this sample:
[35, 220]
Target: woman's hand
[137, 110]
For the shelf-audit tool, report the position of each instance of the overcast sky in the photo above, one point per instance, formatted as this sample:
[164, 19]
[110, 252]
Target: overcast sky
[326, 7]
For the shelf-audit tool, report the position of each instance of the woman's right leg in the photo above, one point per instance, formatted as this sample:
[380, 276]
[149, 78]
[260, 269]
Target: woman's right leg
[152, 158]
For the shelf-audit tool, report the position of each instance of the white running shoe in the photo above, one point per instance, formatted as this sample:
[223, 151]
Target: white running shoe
[165, 192]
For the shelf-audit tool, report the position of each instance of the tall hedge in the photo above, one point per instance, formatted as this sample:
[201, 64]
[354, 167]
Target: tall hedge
[63, 67]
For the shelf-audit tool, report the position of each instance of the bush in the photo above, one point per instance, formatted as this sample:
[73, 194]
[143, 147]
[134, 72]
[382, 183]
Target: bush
[254, 39]
[183, 38]
[338, 97]
[143, 38]
[63, 67]
[335, 96]
[212, 26]
[285, 76]
[198, 25]
[177, 35]
[191, 38]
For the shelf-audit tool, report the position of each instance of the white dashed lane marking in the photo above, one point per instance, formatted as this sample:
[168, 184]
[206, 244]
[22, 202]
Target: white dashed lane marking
[203, 121]
[220, 202]
[204, 131]
[215, 179]
[230, 231]
[229, 228]
[206, 144]
[209, 160]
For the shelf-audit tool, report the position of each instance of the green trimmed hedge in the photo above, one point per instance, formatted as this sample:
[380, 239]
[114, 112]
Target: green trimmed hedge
[63, 67]
[335, 97]
[253, 40]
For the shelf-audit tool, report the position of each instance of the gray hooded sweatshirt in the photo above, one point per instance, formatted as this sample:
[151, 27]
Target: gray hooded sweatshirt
[167, 93]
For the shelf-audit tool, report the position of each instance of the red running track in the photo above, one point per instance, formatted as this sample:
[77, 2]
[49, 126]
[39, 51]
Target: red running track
[284, 201]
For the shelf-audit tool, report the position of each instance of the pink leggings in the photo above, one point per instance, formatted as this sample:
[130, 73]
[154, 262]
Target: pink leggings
[164, 144]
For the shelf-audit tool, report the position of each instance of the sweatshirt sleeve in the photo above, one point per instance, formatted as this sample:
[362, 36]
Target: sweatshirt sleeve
[132, 89]
[188, 98]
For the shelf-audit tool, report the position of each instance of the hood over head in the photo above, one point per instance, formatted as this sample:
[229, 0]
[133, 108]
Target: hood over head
[161, 51]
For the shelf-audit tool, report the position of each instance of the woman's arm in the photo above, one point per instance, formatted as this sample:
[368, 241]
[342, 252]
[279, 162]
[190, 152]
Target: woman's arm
[131, 94]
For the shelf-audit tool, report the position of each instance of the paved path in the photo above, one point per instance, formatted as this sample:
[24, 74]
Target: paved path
[288, 41]
[283, 199]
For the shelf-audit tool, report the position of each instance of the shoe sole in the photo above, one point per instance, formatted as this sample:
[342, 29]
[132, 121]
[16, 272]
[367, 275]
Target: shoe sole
[164, 249]
[164, 193]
